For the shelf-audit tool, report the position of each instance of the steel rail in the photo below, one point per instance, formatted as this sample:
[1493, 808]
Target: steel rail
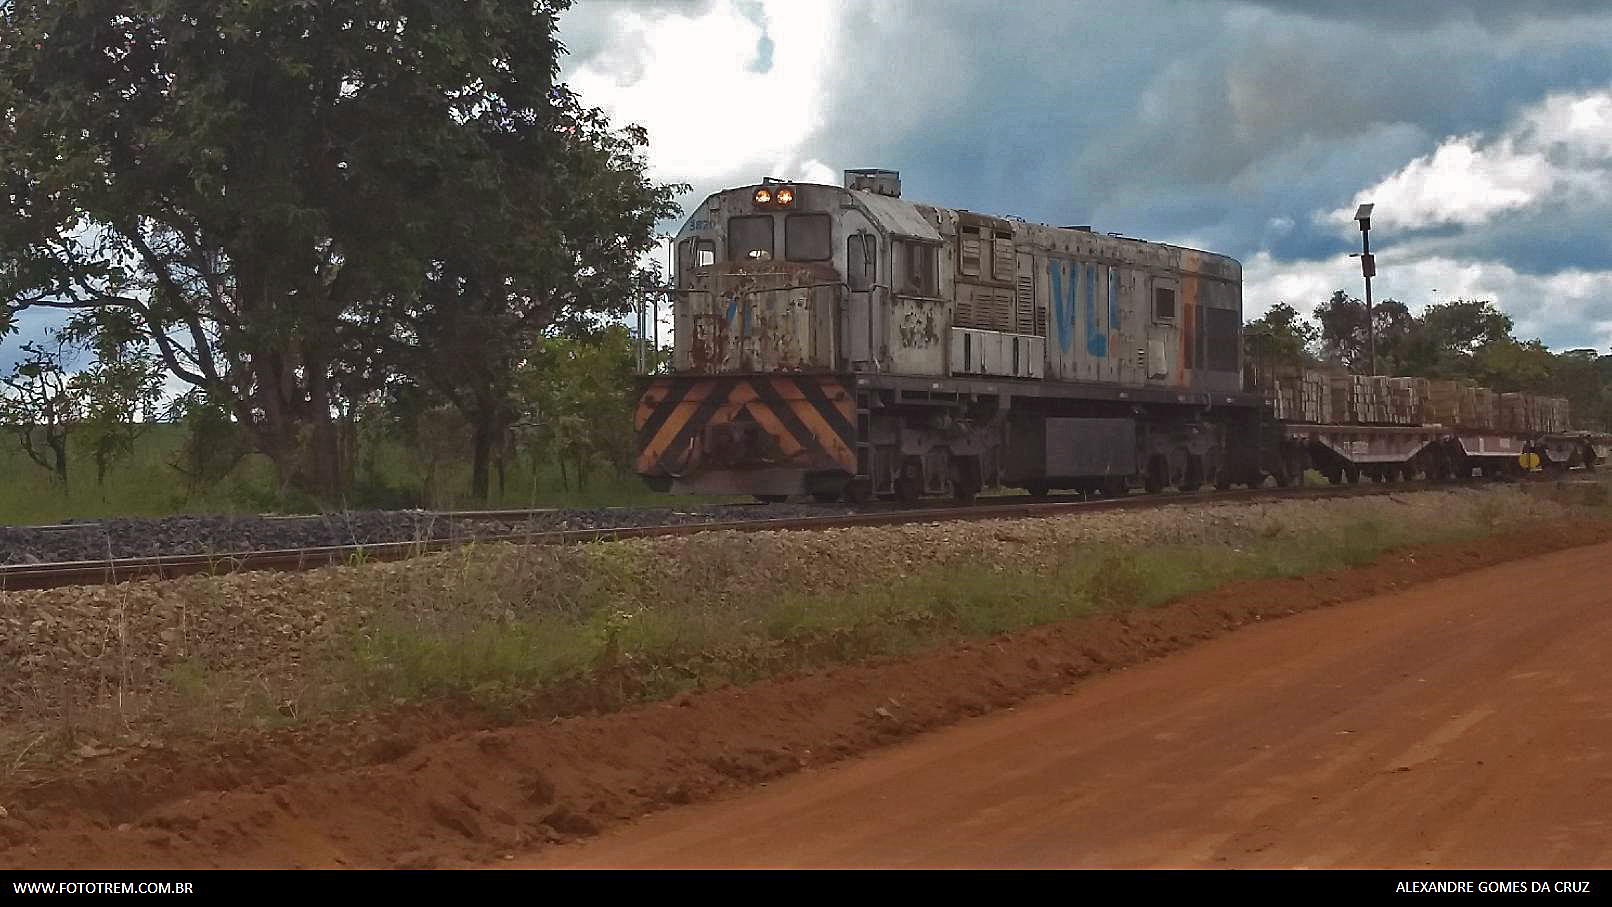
[49, 575]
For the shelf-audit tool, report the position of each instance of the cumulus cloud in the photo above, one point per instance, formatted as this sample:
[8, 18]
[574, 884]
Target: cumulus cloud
[728, 89]
[1556, 153]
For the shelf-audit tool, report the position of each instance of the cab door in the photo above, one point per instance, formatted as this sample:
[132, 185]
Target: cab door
[860, 327]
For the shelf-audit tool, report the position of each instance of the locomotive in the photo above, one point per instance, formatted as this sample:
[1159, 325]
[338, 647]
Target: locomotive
[843, 342]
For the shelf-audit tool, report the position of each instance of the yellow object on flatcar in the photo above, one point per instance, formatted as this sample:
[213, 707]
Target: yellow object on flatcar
[1529, 461]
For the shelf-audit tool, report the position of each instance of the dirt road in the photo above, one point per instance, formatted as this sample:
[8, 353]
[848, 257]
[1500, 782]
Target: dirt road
[1462, 723]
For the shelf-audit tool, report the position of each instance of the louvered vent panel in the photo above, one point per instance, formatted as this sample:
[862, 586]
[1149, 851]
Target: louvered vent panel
[969, 254]
[1000, 304]
[1006, 263]
[965, 316]
[1032, 320]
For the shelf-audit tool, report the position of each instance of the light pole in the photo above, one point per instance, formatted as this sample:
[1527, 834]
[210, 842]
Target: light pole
[1368, 267]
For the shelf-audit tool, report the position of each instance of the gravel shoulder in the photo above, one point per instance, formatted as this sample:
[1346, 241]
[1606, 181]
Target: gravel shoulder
[228, 534]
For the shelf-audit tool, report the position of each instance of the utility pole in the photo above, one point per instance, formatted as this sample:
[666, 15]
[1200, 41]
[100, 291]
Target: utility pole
[1368, 267]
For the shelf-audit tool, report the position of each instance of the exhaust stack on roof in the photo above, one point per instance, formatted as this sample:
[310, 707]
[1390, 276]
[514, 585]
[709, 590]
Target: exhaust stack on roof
[879, 182]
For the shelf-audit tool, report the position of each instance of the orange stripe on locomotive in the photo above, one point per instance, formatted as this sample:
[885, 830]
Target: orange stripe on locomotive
[686, 424]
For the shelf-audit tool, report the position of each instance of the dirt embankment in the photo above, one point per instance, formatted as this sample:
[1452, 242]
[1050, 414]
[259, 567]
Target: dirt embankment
[392, 790]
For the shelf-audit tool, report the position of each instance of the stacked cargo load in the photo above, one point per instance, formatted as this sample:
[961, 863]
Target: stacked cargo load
[1527, 413]
[1485, 409]
[1302, 396]
[1338, 396]
[1514, 413]
[1319, 397]
[1443, 404]
[1315, 402]
[1367, 399]
[1559, 418]
[1407, 400]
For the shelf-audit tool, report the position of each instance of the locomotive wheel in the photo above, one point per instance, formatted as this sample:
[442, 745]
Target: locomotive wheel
[1192, 476]
[859, 491]
[1114, 487]
[965, 479]
[910, 486]
[1153, 481]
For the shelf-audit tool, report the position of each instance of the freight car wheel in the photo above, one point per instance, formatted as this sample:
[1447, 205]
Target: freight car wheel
[910, 486]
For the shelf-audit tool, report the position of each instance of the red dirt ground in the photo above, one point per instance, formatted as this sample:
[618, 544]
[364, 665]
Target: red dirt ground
[1457, 723]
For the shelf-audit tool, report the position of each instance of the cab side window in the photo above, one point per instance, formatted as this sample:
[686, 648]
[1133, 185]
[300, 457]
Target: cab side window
[916, 270]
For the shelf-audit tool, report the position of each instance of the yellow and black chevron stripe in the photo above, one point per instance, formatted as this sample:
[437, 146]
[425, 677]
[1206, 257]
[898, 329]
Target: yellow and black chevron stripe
[810, 418]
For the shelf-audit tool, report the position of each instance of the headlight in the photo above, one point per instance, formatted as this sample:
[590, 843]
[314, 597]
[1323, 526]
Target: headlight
[763, 196]
[786, 196]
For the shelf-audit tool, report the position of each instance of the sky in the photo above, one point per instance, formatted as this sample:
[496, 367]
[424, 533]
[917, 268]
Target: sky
[1481, 131]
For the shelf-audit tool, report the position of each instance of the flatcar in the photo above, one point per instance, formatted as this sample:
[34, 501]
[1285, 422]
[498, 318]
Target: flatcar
[845, 342]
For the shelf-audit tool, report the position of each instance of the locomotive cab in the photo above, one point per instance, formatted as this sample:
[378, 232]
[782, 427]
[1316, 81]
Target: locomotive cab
[774, 294]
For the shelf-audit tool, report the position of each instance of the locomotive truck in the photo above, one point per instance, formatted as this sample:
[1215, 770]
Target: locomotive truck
[844, 342]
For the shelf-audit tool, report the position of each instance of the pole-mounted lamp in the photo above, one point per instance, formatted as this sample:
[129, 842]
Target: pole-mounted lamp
[1368, 267]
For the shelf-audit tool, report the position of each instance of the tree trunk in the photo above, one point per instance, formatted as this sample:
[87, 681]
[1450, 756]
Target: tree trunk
[58, 447]
[481, 459]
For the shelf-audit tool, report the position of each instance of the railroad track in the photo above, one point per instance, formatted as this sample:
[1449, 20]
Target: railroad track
[116, 570]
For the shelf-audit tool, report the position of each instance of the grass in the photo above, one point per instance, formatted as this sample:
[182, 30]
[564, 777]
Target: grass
[648, 652]
[147, 484]
[511, 632]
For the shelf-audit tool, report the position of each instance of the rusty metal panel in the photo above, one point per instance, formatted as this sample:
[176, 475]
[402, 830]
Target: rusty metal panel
[765, 317]
[975, 352]
[917, 340]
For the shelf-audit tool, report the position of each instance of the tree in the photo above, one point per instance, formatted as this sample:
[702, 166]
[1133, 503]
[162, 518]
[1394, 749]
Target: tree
[547, 231]
[40, 406]
[238, 179]
[1443, 339]
[579, 391]
[1277, 342]
[117, 394]
[1345, 340]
